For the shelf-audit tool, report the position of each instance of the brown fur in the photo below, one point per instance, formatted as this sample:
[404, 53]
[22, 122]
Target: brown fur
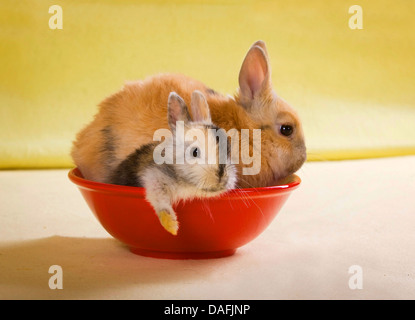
[139, 109]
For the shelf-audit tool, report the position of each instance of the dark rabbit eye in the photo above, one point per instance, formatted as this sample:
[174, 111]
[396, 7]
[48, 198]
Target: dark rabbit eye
[196, 153]
[286, 130]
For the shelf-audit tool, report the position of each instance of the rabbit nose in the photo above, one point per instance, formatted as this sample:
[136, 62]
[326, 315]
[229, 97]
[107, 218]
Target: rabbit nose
[221, 171]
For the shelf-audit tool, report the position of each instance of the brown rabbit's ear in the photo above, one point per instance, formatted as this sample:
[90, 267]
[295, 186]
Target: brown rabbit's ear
[254, 77]
[262, 45]
[176, 110]
[200, 107]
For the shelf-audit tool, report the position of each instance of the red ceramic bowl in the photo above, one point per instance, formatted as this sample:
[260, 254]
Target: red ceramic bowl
[208, 228]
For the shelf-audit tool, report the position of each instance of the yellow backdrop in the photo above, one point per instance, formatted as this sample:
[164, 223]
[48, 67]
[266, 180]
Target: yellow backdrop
[354, 89]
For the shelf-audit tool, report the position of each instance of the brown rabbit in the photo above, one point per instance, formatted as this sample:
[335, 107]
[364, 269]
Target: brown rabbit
[128, 119]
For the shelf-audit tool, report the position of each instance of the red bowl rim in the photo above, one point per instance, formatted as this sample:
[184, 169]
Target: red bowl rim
[76, 177]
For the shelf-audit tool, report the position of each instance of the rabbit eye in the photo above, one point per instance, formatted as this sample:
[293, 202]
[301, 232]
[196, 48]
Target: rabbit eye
[286, 130]
[196, 153]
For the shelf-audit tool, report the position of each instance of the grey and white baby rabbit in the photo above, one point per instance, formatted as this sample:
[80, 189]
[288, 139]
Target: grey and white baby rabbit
[166, 183]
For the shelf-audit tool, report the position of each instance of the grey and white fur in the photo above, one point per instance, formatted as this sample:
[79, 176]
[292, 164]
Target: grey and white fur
[167, 183]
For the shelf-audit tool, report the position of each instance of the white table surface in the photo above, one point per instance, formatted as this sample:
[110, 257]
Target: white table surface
[344, 214]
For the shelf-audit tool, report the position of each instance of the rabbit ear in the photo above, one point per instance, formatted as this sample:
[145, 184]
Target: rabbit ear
[254, 77]
[177, 110]
[262, 45]
[200, 107]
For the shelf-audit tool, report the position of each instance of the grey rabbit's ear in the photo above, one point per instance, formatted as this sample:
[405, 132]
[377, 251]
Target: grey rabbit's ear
[176, 110]
[255, 74]
[200, 108]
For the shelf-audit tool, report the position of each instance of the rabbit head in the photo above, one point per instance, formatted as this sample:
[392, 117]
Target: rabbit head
[282, 134]
[201, 148]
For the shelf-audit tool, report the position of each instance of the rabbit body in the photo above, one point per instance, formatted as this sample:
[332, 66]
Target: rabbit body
[128, 119]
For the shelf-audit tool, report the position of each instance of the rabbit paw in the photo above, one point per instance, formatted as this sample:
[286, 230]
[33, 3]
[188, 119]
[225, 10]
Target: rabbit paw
[168, 221]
